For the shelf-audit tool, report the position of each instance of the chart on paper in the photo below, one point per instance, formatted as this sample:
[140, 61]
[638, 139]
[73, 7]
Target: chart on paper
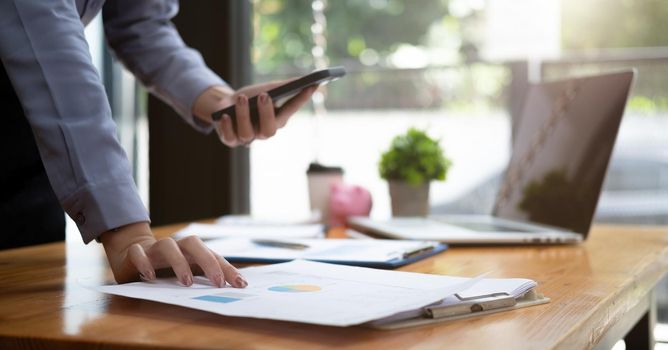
[225, 297]
[304, 291]
[295, 288]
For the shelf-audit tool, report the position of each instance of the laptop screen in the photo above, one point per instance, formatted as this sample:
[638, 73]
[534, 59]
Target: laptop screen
[561, 150]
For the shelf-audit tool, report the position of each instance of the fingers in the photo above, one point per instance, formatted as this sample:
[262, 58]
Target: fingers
[245, 132]
[194, 248]
[226, 133]
[168, 251]
[141, 262]
[269, 121]
[134, 253]
[232, 275]
[290, 107]
[265, 108]
[179, 255]
[216, 268]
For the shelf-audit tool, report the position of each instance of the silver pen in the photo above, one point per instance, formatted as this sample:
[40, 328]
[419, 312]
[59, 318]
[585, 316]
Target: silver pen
[280, 244]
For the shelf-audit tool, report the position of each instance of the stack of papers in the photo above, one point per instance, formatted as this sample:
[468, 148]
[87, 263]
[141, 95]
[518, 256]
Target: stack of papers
[249, 220]
[319, 293]
[379, 253]
[488, 295]
[223, 230]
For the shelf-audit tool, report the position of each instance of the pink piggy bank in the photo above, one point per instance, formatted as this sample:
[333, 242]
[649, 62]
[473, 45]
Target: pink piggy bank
[347, 200]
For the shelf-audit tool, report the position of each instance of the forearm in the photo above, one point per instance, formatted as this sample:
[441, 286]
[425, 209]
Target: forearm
[144, 39]
[43, 49]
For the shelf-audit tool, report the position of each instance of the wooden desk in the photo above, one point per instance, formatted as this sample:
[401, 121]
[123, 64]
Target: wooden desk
[599, 291]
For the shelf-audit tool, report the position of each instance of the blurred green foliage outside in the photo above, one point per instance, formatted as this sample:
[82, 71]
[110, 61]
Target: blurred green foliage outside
[438, 49]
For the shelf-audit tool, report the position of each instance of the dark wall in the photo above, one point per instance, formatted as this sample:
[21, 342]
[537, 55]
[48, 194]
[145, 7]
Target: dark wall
[194, 176]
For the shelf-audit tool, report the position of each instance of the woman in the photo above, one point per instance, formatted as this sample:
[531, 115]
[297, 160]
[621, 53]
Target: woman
[50, 90]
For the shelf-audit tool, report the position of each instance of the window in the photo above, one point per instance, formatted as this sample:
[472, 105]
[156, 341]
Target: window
[408, 65]
[447, 66]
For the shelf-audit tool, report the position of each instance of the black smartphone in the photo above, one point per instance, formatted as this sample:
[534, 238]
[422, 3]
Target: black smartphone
[282, 93]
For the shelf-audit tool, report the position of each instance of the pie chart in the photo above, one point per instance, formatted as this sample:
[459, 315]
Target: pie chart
[295, 288]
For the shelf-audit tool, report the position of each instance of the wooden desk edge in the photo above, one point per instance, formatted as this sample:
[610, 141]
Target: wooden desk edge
[592, 330]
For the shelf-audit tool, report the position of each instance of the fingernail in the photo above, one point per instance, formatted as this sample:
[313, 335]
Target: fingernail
[240, 281]
[220, 281]
[241, 99]
[187, 281]
[147, 275]
[264, 98]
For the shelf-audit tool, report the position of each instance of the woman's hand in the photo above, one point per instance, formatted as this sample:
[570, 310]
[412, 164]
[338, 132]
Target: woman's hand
[134, 253]
[218, 97]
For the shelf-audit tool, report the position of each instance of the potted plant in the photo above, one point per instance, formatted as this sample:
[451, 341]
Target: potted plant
[412, 162]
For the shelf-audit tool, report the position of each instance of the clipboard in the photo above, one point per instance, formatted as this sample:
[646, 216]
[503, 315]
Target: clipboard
[378, 253]
[468, 308]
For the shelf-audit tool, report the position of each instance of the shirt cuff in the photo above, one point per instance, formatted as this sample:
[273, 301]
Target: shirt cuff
[185, 89]
[98, 208]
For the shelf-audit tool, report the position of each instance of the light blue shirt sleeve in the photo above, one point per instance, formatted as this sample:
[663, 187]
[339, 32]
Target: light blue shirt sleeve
[44, 51]
[142, 36]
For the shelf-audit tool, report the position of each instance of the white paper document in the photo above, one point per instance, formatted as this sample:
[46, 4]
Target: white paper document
[482, 291]
[249, 220]
[213, 231]
[349, 251]
[305, 291]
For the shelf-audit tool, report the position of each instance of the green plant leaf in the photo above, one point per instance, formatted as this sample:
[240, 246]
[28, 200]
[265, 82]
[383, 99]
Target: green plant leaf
[414, 157]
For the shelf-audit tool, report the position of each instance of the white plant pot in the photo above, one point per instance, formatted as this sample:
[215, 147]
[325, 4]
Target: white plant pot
[409, 200]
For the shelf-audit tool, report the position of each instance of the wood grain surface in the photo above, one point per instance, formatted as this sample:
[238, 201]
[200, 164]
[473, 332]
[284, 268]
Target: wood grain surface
[592, 286]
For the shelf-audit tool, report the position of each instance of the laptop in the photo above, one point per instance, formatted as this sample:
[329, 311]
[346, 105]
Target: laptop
[549, 192]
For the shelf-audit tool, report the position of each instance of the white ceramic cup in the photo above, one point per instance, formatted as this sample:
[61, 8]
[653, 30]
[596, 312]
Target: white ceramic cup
[320, 180]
